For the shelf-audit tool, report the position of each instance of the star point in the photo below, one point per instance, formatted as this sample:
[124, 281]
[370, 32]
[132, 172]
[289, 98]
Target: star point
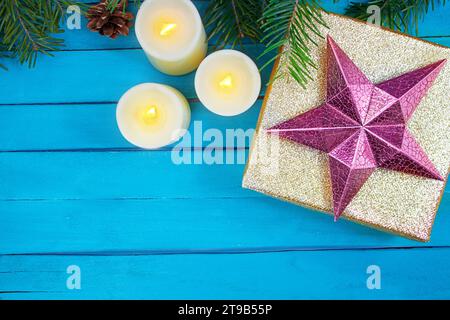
[362, 125]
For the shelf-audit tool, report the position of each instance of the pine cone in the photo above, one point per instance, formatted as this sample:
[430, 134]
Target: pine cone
[107, 23]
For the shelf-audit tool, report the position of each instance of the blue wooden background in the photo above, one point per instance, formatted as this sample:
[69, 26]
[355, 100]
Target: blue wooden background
[74, 192]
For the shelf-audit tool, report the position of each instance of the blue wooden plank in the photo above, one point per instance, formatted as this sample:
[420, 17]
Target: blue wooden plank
[85, 82]
[92, 76]
[186, 225]
[114, 174]
[93, 126]
[434, 24]
[405, 274]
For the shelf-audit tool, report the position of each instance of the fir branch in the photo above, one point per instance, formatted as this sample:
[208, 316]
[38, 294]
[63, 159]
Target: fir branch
[401, 15]
[292, 25]
[27, 28]
[230, 21]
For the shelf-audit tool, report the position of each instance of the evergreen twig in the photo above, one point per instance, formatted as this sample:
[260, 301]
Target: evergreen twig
[28, 28]
[230, 21]
[294, 26]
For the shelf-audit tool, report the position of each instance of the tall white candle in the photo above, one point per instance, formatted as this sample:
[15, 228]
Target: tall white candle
[172, 35]
[152, 115]
[228, 82]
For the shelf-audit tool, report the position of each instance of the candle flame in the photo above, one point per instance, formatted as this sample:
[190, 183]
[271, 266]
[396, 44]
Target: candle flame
[151, 113]
[226, 82]
[167, 28]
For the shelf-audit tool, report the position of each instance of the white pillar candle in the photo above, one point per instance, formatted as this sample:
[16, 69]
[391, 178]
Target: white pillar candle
[227, 82]
[152, 115]
[172, 35]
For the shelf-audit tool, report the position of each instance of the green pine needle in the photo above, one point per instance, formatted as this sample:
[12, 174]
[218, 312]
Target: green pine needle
[294, 26]
[230, 21]
[27, 28]
[401, 15]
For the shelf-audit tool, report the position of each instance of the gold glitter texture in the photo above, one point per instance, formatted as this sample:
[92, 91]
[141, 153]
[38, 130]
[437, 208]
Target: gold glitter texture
[391, 201]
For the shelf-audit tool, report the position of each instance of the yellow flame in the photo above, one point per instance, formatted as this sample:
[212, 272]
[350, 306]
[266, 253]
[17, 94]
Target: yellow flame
[151, 113]
[226, 82]
[167, 28]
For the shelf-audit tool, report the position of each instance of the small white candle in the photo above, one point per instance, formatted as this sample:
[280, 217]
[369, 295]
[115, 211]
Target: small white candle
[152, 115]
[228, 82]
[172, 35]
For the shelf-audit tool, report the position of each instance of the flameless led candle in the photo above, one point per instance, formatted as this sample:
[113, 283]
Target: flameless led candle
[152, 115]
[172, 35]
[227, 82]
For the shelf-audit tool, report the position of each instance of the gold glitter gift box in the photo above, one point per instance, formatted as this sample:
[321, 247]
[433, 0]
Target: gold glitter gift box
[392, 201]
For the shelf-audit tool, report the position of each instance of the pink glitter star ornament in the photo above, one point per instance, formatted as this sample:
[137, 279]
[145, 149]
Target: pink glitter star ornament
[362, 125]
